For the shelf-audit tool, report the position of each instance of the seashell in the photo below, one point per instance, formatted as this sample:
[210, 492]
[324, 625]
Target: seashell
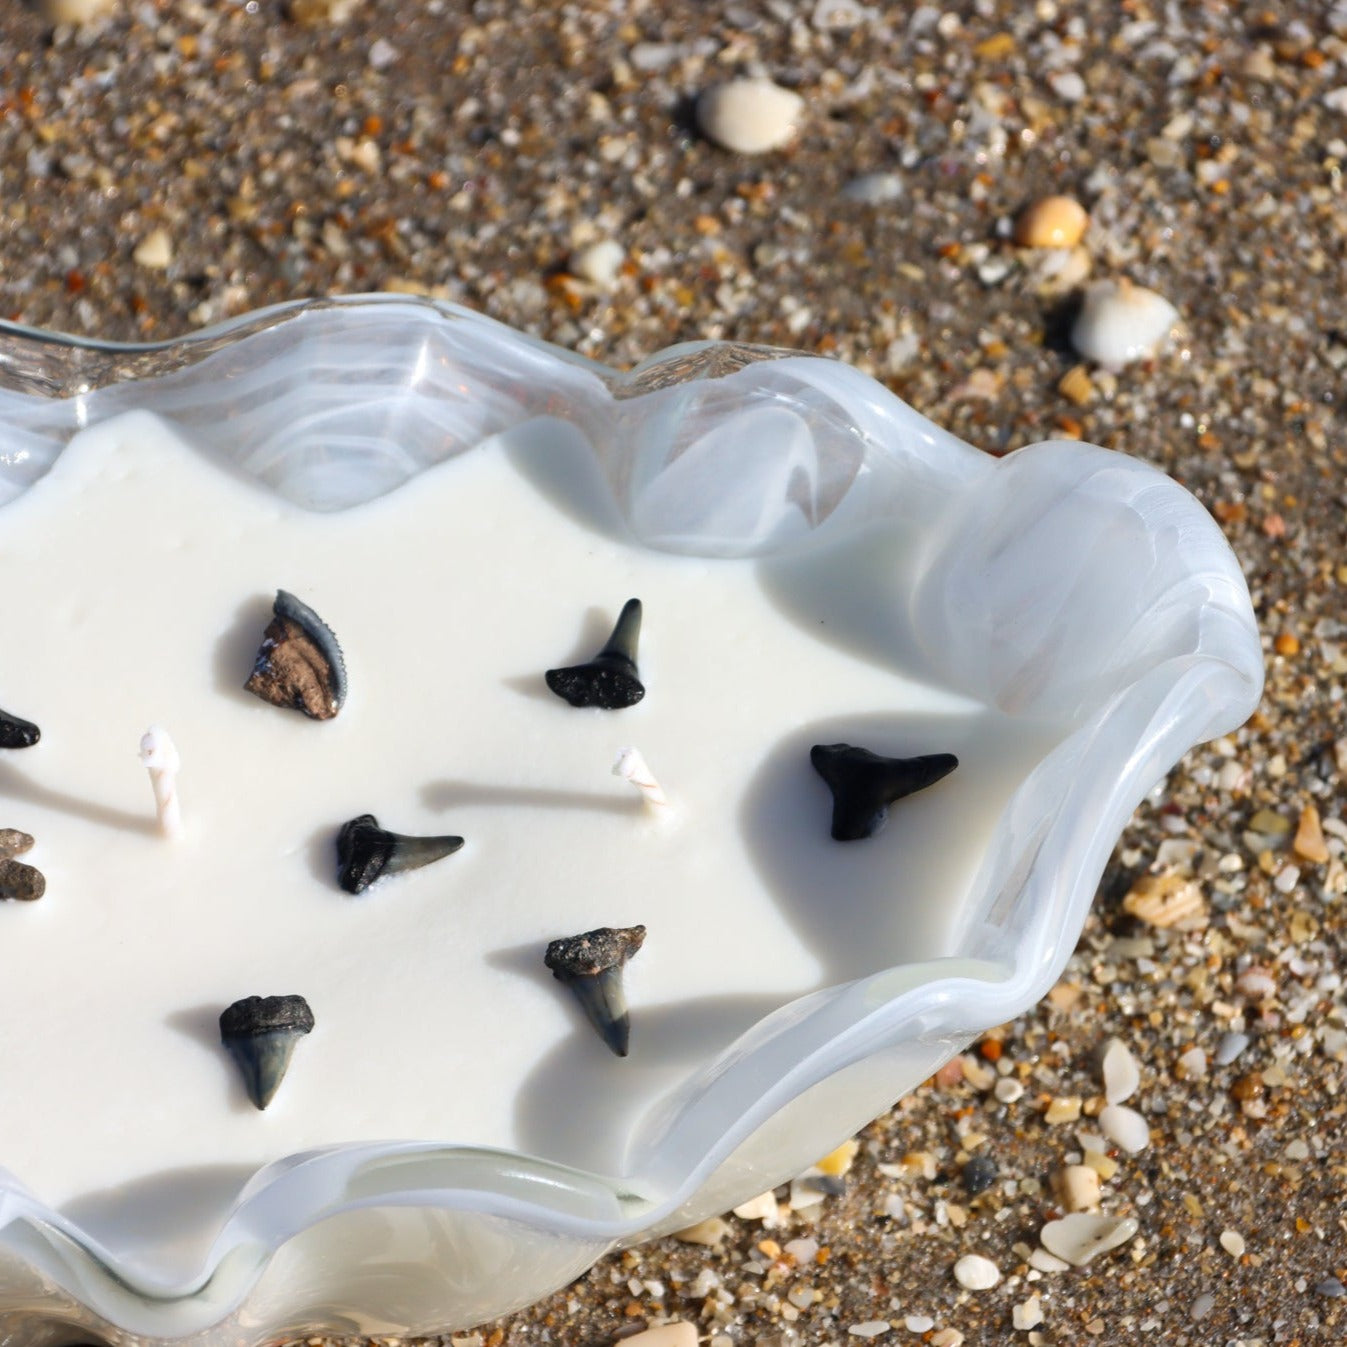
[366, 852]
[749, 116]
[611, 679]
[864, 784]
[260, 1033]
[1122, 1076]
[299, 665]
[1120, 322]
[591, 964]
[1081, 1236]
[16, 732]
[1167, 900]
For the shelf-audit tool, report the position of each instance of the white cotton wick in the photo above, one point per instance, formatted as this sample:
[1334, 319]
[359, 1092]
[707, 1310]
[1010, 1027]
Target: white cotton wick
[631, 766]
[159, 756]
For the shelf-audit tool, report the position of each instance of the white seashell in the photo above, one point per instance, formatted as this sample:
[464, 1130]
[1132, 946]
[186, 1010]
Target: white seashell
[1079, 1237]
[1125, 1127]
[1122, 1076]
[1120, 322]
[975, 1273]
[599, 263]
[749, 116]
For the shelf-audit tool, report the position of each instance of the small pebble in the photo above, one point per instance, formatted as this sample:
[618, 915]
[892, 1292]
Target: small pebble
[1330, 1287]
[803, 1250]
[1027, 1315]
[1120, 322]
[1231, 1045]
[709, 1232]
[1078, 1187]
[1191, 1065]
[837, 1162]
[978, 1174]
[155, 250]
[749, 116]
[1080, 1237]
[1232, 1242]
[947, 1337]
[1067, 85]
[762, 1208]
[1122, 1076]
[1052, 222]
[76, 11]
[1309, 843]
[872, 1328]
[600, 263]
[1125, 1127]
[321, 11]
[873, 189]
[918, 1323]
[1008, 1090]
[975, 1273]
[382, 54]
[1202, 1306]
[1062, 1110]
[679, 1334]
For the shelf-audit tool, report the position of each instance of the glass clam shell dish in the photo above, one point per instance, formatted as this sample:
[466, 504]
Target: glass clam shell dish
[1061, 584]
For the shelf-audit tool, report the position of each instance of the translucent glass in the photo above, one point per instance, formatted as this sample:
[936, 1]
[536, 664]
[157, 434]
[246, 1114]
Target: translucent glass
[1064, 583]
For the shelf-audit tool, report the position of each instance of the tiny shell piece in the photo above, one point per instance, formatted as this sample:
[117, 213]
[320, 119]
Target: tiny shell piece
[1125, 1127]
[1167, 900]
[1120, 322]
[749, 116]
[1122, 1076]
[1052, 222]
[976, 1273]
[1080, 1237]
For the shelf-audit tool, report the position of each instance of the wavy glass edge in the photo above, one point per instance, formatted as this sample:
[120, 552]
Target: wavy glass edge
[853, 453]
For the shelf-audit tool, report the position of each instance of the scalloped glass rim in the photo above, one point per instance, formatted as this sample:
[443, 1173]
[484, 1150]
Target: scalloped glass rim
[1063, 581]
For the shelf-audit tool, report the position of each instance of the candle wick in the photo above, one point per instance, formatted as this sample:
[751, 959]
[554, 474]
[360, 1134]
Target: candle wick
[159, 756]
[632, 767]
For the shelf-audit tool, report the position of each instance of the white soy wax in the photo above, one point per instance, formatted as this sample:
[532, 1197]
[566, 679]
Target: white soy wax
[139, 577]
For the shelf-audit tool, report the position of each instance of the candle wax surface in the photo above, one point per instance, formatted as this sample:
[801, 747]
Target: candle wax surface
[139, 576]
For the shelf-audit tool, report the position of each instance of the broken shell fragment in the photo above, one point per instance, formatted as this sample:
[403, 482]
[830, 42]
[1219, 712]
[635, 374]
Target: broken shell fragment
[864, 784]
[592, 965]
[14, 843]
[260, 1033]
[25, 883]
[366, 852]
[610, 680]
[299, 664]
[1120, 322]
[15, 732]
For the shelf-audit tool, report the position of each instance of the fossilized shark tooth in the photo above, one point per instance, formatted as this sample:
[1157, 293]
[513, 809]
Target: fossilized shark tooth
[260, 1033]
[591, 964]
[610, 680]
[299, 664]
[365, 852]
[864, 784]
